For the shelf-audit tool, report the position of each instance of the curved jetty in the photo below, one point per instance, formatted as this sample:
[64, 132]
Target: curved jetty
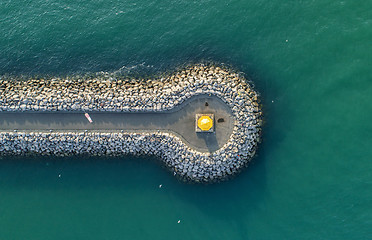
[203, 122]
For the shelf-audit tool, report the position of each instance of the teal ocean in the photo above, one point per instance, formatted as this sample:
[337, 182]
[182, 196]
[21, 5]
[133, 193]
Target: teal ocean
[310, 60]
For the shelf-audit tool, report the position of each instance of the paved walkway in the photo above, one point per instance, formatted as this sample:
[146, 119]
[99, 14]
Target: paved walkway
[180, 121]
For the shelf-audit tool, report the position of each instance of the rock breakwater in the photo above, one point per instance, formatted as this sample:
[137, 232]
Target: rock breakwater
[108, 94]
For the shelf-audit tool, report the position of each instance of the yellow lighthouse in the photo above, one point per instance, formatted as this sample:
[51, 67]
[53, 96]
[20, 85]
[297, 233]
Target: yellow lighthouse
[204, 123]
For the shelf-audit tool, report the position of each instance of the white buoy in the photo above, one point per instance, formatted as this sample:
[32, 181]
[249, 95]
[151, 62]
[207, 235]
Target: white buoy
[160, 185]
[179, 221]
[59, 175]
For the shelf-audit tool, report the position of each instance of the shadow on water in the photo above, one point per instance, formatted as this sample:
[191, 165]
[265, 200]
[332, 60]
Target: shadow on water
[138, 176]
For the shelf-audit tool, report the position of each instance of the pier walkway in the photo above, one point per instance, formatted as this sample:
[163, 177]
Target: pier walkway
[179, 121]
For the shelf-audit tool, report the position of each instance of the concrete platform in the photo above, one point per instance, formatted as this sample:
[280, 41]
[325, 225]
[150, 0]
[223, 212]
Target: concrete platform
[180, 121]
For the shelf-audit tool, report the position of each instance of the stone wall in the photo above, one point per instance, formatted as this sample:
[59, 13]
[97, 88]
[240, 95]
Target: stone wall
[114, 95]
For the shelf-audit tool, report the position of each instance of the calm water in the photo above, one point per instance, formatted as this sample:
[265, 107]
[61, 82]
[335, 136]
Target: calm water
[311, 61]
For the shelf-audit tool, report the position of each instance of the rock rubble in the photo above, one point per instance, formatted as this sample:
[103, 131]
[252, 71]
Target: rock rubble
[115, 95]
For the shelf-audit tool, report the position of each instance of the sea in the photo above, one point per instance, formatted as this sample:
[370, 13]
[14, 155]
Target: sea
[311, 62]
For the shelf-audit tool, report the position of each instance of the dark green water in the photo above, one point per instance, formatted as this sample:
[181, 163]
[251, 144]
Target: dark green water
[311, 61]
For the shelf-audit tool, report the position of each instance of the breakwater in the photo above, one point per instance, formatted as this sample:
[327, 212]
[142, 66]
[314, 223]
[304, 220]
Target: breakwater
[161, 95]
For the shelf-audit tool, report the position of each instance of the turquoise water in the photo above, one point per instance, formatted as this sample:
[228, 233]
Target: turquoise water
[311, 62]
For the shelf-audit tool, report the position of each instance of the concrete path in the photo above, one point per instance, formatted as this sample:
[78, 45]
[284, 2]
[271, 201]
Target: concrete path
[180, 121]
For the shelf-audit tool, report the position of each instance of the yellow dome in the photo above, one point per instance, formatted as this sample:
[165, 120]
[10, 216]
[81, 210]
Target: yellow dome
[205, 123]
